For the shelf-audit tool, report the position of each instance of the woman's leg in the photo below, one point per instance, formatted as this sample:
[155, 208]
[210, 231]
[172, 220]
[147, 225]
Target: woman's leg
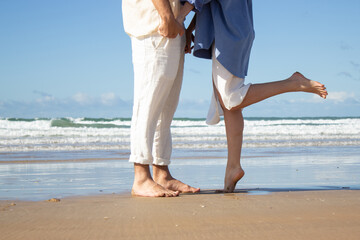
[234, 121]
[296, 83]
[234, 124]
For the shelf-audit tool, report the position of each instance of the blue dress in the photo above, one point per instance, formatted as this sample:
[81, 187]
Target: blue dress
[228, 24]
[225, 28]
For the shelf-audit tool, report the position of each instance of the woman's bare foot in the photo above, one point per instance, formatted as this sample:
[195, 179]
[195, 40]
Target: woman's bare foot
[163, 177]
[232, 176]
[303, 84]
[149, 188]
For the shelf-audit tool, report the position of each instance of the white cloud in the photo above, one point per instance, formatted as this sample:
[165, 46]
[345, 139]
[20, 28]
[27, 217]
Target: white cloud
[82, 98]
[42, 94]
[79, 105]
[340, 96]
[339, 103]
[45, 99]
[108, 98]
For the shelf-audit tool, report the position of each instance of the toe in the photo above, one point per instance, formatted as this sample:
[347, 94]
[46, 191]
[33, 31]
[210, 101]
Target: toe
[195, 190]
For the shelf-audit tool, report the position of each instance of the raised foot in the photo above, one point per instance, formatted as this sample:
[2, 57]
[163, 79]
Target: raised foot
[231, 178]
[304, 84]
[149, 188]
[176, 185]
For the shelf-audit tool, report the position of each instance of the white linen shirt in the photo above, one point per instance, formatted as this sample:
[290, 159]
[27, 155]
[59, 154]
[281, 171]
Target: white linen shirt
[141, 18]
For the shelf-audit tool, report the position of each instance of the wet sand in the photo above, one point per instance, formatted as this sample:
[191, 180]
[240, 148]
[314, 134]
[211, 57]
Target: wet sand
[287, 193]
[326, 214]
[37, 176]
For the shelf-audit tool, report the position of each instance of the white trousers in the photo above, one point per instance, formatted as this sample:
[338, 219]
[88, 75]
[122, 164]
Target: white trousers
[230, 87]
[158, 72]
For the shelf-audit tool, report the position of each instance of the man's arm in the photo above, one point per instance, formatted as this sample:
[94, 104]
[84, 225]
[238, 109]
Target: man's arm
[169, 27]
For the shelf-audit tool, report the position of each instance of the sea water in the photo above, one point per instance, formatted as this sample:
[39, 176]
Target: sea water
[57, 157]
[74, 134]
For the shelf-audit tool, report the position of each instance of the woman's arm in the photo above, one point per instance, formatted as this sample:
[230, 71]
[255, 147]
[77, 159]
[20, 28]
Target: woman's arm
[189, 35]
[184, 11]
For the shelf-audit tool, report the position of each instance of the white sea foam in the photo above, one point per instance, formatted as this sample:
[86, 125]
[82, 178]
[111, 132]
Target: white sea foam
[72, 134]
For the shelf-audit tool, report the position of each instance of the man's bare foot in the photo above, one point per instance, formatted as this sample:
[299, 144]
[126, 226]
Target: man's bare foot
[232, 176]
[149, 188]
[163, 177]
[176, 185]
[145, 186]
[306, 85]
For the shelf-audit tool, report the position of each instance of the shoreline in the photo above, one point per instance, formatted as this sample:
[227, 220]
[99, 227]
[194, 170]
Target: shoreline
[44, 175]
[208, 215]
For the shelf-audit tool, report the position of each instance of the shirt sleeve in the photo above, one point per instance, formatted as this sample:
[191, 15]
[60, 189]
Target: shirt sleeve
[198, 4]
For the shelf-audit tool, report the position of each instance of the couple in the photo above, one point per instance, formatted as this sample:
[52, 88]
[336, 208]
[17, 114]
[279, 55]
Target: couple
[224, 33]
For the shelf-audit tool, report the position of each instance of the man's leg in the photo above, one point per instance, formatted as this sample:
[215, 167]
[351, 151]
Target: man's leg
[162, 142]
[162, 154]
[153, 80]
[145, 186]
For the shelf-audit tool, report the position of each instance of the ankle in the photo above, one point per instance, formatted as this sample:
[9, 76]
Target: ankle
[233, 168]
[141, 173]
[161, 173]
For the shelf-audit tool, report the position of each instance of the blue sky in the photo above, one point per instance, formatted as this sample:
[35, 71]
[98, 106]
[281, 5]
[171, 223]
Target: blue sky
[72, 58]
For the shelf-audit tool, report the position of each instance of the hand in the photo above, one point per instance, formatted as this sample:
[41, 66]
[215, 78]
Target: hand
[189, 38]
[180, 20]
[170, 28]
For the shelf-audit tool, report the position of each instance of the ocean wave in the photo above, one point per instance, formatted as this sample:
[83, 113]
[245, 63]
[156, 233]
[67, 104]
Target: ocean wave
[72, 134]
[67, 123]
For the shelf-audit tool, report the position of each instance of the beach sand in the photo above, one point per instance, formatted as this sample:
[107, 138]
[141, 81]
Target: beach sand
[324, 214]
